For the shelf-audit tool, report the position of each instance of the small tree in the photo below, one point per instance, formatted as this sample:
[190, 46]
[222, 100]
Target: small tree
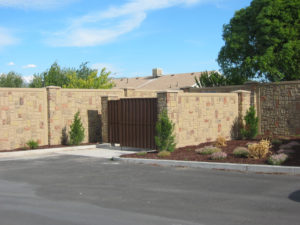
[250, 129]
[76, 133]
[11, 79]
[165, 139]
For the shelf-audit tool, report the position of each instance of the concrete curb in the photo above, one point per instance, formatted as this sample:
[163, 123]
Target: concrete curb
[212, 165]
[44, 151]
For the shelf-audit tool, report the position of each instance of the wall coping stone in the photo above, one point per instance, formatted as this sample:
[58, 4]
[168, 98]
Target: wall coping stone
[241, 91]
[53, 87]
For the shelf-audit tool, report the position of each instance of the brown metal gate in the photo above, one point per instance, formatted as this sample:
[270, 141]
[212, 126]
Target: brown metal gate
[131, 122]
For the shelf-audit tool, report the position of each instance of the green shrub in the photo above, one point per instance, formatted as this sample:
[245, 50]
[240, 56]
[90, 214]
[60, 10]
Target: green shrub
[208, 150]
[241, 152]
[32, 144]
[165, 139]
[76, 133]
[141, 153]
[250, 129]
[164, 154]
[276, 142]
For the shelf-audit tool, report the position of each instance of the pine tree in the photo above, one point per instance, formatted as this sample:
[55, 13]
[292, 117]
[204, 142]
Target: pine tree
[165, 139]
[76, 133]
[251, 127]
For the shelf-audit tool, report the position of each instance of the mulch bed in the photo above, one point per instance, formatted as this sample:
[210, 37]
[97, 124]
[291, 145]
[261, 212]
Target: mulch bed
[46, 146]
[188, 154]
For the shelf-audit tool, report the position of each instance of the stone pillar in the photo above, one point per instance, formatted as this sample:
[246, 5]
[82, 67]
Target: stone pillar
[129, 92]
[104, 112]
[168, 100]
[244, 103]
[54, 115]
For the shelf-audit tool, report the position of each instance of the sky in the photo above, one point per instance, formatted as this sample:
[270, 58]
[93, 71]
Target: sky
[129, 37]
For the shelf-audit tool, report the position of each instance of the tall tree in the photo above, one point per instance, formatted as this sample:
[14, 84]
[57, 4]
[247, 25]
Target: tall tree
[84, 77]
[11, 79]
[92, 81]
[211, 79]
[84, 71]
[263, 41]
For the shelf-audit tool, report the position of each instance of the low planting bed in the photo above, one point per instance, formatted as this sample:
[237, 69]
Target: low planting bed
[290, 147]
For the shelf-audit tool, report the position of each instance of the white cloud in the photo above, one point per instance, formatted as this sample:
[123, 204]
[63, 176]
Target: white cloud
[34, 4]
[11, 64]
[105, 26]
[29, 66]
[28, 79]
[7, 38]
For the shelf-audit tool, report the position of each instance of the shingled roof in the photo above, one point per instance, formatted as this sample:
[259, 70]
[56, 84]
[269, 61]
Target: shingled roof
[158, 82]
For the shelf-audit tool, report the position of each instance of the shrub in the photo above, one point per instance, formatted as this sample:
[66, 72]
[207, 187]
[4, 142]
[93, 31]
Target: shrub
[276, 142]
[76, 133]
[208, 150]
[250, 129]
[277, 159]
[220, 142]
[164, 153]
[165, 139]
[141, 153]
[32, 144]
[218, 155]
[241, 152]
[259, 150]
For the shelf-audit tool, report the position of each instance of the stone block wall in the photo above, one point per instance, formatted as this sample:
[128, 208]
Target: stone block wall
[139, 93]
[277, 105]
[280, 108]
[68, 102]
[42, 114]
[200, 117]
[23, 117]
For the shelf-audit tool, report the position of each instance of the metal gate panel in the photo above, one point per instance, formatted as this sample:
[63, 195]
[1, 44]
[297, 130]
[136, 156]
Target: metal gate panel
[132, 122]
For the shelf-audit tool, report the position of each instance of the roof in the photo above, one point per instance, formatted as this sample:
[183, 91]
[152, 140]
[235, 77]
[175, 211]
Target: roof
[170, 81]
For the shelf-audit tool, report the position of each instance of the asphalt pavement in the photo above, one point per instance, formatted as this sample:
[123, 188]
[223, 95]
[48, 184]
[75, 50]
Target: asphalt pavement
[73, 189]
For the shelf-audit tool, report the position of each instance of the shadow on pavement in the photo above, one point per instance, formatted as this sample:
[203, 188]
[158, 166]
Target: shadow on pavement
[295, 196]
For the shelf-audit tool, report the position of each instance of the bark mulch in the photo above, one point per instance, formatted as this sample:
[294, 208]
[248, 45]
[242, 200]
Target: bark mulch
[188, 154]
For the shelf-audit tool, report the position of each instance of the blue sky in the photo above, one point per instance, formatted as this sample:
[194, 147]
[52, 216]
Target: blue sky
[129, 37]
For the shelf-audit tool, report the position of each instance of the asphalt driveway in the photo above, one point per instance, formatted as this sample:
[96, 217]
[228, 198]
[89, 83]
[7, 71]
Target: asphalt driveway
[69, 189]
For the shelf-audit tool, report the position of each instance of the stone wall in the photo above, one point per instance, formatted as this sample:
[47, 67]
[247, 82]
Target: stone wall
[23, 117]
[202, 117]
[44, 114]
[67, 102]
[139, 93]
[277, 105]
[280, 108]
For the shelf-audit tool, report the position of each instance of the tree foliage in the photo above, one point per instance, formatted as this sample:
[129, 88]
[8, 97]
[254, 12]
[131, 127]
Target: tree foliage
[212, 79]
[11, 79]
[90, 81]
[263, 41]
[84, 77]
[165, 139]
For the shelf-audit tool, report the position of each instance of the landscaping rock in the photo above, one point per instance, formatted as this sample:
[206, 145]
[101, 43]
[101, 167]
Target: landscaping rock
[290, 145]
[286, 151]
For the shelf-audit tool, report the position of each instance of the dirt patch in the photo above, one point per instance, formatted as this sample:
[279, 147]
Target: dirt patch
[188, 154]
